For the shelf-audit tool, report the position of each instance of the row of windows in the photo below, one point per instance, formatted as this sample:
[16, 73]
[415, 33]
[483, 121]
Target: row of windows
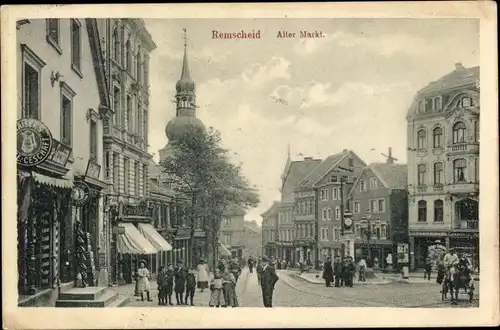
[458, 132]
[137, 67]
[284, 217]
[304, 206]
[305, 230]
[459, 172]
[112, 165]
[324, 234]
[269, 235]
[54, 38]
[378, 231]
[286, 235]
[438, 211]
[373, 184]
[436, 104]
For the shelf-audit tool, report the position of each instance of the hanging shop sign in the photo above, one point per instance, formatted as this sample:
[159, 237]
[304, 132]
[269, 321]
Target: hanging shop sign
[80, 194]
[59, 153]
[34, 142]
[93, 170]
[403, 255]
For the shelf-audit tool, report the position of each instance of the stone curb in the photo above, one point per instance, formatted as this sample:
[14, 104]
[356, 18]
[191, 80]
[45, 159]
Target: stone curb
[384, 282]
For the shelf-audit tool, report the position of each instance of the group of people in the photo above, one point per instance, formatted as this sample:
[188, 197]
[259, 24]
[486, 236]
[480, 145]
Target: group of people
[223, 283]
[449, 263]
[341, 273]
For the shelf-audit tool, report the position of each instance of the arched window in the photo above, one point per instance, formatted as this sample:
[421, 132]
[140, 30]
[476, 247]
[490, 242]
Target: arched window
[459, 132]
[421, 169]
[476, 169]
[466, 102]
[437, 104]
[438, 173]
[421, 137]
[422, 211]
[438, 210]
[437, 135]
[459, 169]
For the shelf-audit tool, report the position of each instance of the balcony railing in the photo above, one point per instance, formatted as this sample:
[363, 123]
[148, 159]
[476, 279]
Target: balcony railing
[463, 146]
[468, 224]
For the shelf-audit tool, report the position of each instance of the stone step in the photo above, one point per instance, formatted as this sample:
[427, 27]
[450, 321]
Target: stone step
[121, 301]
[88, 293]
[103, 301]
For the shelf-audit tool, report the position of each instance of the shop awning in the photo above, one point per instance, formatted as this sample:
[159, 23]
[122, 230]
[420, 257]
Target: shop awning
[54, 182]
[132, 241]
[224, 251]
[154, 237]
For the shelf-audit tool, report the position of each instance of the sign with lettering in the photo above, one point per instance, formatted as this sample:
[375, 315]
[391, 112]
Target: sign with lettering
[34, 142]
[59, 153]
[80, 194]
[403, 255]
[140, 210]
[93, 170]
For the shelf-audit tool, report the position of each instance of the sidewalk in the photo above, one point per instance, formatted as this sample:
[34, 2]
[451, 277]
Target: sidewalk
[315, 278]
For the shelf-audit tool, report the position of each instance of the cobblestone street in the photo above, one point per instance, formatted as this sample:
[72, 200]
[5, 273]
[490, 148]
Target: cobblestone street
[292, 291]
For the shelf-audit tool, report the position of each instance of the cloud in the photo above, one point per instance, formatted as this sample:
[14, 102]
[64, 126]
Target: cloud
[308, 46]
[257, 74]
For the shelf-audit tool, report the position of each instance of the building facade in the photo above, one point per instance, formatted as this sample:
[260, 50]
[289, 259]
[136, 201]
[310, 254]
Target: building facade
[379, 206]
[231, 231]
[62, 101]
[317, 209]
[443, 165]
[126, 46]
[269, 230]
[252, 239]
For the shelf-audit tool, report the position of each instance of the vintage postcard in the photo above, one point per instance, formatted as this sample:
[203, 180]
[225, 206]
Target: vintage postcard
[204, 165]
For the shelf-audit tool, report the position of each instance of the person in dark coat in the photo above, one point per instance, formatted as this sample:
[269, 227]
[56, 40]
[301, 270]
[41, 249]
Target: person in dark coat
[250, 264]
[350, 272]
[268, 281]
[337, 271]
[161, 279]
[180, 283]
[190, 286]
[235, 268]
[169, 288]
[428, 269]
[259, 271]
[328, 272]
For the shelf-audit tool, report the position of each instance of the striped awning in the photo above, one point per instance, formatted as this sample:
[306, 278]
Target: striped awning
[50, 181]
[133, 242]
[154, 237]
[224, 251]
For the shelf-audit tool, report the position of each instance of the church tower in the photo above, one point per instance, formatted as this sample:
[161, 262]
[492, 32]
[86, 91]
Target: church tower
[185, 114]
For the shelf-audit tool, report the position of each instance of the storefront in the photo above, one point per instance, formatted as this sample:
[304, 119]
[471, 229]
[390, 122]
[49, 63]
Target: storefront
[270, 249]
[181, 245]
[43, 208]
[330, 250]
[286, 251]
[305, 251]
[376, 252]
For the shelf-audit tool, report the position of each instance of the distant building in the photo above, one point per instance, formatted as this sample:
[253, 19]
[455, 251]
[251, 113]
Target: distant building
[232, 229]
[443, 165]
[251, 239]
[379, 204]
[317, 208]
[269, 230]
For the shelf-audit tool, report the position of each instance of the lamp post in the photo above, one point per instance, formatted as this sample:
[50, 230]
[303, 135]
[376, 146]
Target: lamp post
[346, 238]
[367, 231]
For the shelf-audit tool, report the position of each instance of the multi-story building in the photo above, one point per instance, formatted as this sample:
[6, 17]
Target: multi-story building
[270, 229]
[126, 46]
[443, 165]
[379, 206]
[293, 173]
[62, 100]
[231, 231]
[318, 199]
[252, 239]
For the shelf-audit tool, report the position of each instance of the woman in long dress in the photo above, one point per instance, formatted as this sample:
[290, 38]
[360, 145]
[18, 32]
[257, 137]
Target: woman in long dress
[216, 295]
[202, 275]
[143, 281]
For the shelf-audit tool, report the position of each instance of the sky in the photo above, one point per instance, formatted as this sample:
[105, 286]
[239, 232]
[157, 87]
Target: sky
[348, 90]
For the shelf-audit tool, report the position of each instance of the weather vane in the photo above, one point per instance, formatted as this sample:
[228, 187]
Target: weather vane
[184, 37]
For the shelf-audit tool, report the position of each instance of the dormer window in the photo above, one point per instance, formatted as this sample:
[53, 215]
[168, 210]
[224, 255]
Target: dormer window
[421, 106]
[437, 104]
[466, 101]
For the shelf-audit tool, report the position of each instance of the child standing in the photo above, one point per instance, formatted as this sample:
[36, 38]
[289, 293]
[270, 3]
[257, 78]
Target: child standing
[162, 285]
[216, 295]
[228, 285]
[169, 288]
[143, 281]
[190, 286]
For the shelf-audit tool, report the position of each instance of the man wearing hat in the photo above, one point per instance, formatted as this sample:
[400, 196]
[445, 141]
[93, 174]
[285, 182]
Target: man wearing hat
[268, 281]
[180, 283]
[450, 258]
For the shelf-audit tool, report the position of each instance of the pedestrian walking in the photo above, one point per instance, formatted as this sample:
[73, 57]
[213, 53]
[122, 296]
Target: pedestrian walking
[169, 288]
[337, 271]
[259, 271]
[229, 289]
[143, 281]
[190, 286]
[268, 281]
[351, 272]
[428, 268]
[250, 264]
[343, 273]
[362, 268]
[235, 268]
[328, 272]
[180, 283]
[202, 275]
[161, 280]
[216, 294]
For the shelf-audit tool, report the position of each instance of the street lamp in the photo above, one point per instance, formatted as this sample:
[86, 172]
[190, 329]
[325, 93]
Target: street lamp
[367, 231]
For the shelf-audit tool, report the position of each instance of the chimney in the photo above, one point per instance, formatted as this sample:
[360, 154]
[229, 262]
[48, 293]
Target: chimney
[345, 150]
[459, 66]
[308, 158]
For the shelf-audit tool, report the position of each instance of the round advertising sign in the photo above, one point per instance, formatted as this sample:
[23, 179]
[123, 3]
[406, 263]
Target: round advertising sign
[34, 142]
[80, 194]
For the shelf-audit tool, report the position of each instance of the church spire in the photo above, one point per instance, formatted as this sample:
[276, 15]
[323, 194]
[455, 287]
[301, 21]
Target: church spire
[185, 66]
[185, 85]
[287, 165]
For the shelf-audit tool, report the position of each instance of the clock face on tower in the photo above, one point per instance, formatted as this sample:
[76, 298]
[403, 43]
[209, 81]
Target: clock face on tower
[348, 222]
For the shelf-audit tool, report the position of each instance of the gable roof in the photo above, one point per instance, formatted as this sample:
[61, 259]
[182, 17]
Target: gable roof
[297, 171]
[272, 208]
[457, 78]
[323, 168]
[248, 227]
[392, 176]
